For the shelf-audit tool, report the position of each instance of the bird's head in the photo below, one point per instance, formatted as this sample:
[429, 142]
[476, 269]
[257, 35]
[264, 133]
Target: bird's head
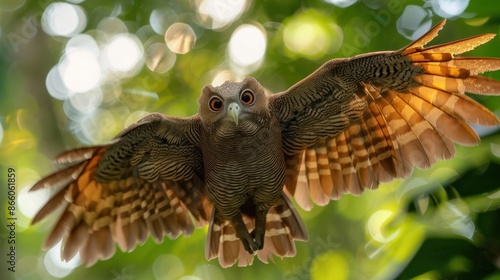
[241, 106]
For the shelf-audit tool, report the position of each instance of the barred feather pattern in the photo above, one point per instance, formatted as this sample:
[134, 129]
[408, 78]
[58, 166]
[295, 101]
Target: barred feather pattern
[111, 195]
[244, 176]
[283, 227]
[416, 109]
[347, 127]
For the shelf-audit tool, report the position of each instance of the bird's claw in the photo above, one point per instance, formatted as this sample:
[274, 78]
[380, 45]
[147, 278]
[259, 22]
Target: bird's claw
[258, 237]
[250, 245]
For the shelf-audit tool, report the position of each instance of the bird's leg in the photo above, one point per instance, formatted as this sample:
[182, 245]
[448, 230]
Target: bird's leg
[243, 234]
[260, 227]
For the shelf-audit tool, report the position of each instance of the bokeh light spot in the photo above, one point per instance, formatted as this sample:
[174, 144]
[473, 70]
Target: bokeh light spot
[30, 202]
[55, 266]
[449, 8]
[414, 22]
[247, 45]
[376, 223]
[97, 127]
[477, 21]
[156, 21]
[222, 76]
[55, 85]
[112, 26]
[180, 38]
[312, 34]
[342, 3]
[83, 41]
[79, 69]
[168, 267]
[63, 19]
[160, 19]
[217, 14]
[304, 38]
[159, 58]
[123, 53]
[87, 101]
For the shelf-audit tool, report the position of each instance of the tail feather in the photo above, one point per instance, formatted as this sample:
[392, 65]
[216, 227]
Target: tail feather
[223, 243]
[283, 227]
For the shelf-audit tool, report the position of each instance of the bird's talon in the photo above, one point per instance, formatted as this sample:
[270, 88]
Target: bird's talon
[250, 245]
[258, 238]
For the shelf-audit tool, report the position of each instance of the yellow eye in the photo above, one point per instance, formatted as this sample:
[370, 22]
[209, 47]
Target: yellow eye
[247, 97]
[215, 104]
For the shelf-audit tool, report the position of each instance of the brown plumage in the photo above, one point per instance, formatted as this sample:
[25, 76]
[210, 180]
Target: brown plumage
[347, 127]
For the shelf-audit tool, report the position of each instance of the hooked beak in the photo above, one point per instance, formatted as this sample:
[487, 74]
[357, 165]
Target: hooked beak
[234, 112]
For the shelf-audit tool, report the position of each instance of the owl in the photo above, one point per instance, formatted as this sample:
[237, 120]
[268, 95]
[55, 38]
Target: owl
[239, 162]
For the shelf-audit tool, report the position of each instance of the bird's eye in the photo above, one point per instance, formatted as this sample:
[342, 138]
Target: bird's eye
[247, 97]
[215, 104]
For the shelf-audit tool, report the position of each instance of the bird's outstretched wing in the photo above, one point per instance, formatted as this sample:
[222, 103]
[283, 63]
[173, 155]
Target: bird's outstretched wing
[357, 122]
[147, 181]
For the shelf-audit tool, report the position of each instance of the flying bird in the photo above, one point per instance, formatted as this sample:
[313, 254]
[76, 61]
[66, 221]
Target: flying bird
[239, 162]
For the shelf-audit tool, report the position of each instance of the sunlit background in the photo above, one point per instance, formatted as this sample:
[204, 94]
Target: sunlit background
[75, 73]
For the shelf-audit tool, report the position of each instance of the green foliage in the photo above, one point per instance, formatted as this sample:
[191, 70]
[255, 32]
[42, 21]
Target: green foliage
[440, 223]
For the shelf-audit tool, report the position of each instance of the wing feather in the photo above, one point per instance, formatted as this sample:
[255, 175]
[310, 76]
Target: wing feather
[146, 182]
[460, 46]
[324, 171]
[335, 169]
[400, 110]
[427, 37]
[481, 85]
